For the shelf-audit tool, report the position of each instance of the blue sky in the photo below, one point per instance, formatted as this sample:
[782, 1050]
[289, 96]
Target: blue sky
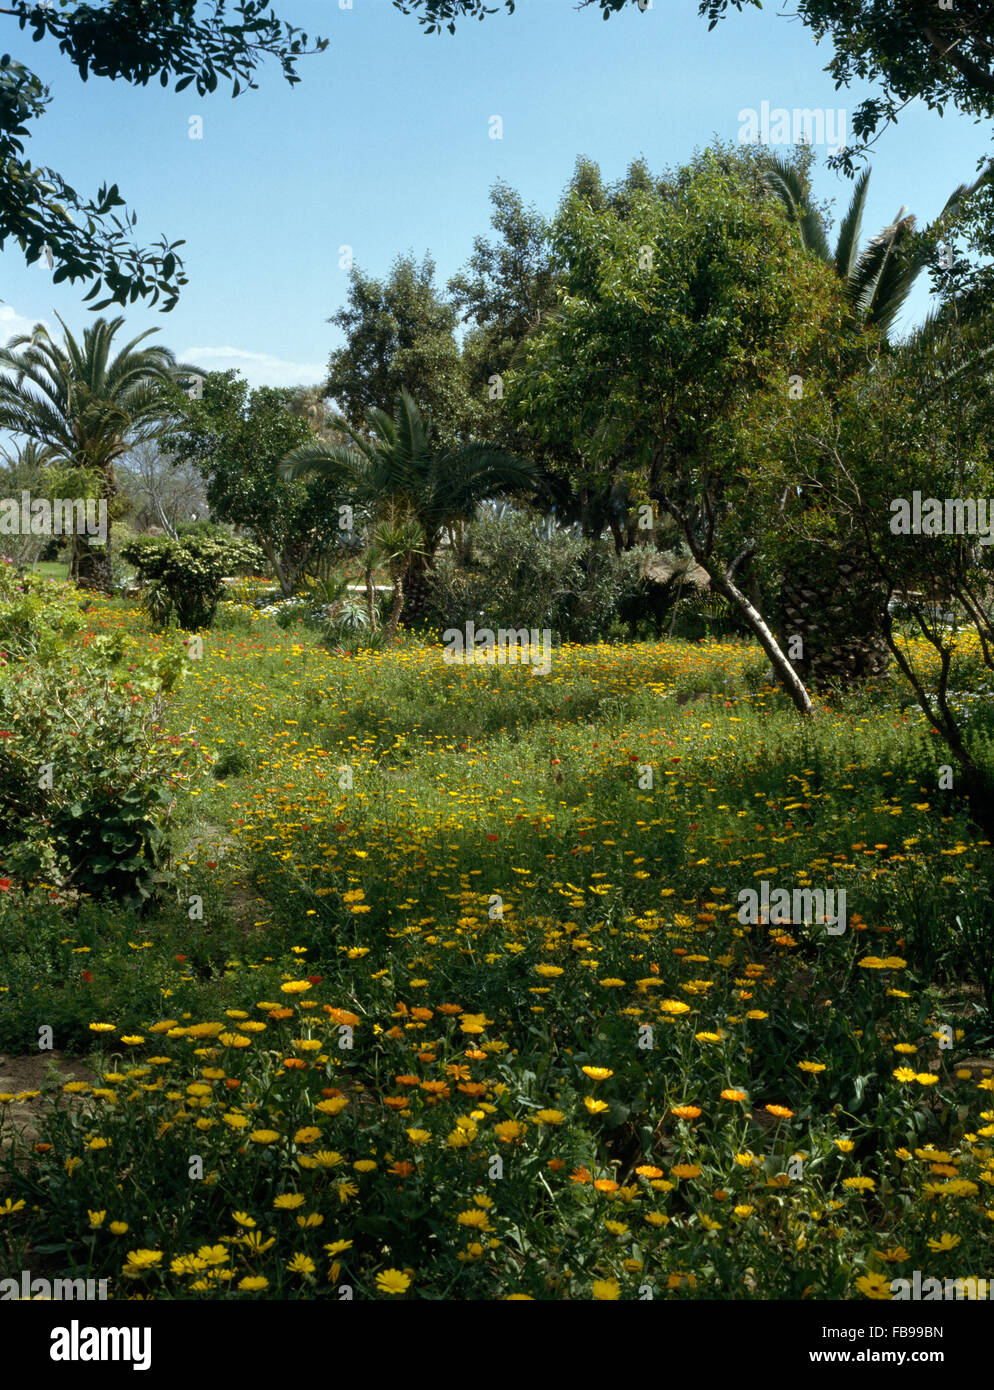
[385, 147]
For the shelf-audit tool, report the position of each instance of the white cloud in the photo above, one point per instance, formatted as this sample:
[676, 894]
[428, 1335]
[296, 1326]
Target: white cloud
[258, 368]
[12, 323]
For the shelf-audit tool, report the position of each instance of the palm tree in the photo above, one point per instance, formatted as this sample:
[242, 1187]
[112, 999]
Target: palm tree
[413, 492]
[826, 598]
[878, 278]
[85, 409]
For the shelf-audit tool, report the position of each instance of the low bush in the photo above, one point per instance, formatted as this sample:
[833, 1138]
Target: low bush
[181, 579]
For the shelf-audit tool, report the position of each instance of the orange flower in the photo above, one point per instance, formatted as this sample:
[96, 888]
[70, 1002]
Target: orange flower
[780, 1111]
[686, 1170]
[555, 1164]
[646, 1170]
[396, 1102]
[606, 1185]
[342, 1016]
[406, 1080]
[292, 1063]
[401, 1169]
[685, 1112]
[280, 1013]
[580, 1175]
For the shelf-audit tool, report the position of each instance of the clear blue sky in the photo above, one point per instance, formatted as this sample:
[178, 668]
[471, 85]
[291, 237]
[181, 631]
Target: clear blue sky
[384, 146]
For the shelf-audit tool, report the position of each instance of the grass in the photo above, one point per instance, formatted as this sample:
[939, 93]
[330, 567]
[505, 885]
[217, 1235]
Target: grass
[451, 996]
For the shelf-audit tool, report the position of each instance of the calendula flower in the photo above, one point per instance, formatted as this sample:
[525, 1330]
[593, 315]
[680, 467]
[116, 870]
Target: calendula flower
[393, 1281]
[945, 1242]
[875, 1286]
[811, 1067]
[289, 1201]
[301, 1264]
[597, 1073]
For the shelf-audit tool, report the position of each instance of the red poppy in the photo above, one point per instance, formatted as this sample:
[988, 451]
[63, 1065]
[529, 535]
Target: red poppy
[87, 977]
[6, 884]
[491, 837]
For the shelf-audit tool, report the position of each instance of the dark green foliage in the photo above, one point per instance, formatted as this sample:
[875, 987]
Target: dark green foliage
[181, 580]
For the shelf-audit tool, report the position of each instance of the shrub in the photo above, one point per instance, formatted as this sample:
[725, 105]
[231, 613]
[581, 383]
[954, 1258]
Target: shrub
[86, 776]
[181, 579]
[36, 614]
[567, 584]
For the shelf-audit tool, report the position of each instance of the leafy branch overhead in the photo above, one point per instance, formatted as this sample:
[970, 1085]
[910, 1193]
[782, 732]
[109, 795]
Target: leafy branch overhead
[88, 238]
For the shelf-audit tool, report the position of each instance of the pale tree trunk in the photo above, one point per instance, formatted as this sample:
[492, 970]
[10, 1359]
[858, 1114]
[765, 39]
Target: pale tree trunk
[722, 580]
[370, 598]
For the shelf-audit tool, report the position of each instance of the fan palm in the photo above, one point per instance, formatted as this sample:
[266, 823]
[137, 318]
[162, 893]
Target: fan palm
[413, 491]
[84, 408]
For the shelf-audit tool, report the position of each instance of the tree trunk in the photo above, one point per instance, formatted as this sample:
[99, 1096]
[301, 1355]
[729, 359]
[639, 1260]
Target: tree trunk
[838, 614]
[93, 572]
[370, 598]
[398, 603]
[782, 668]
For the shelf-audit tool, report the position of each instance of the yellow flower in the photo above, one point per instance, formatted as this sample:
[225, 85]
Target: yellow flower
[301, 1264]
[597, 1073]
[96, 1219]
[845, 1146]
[945, 1242]
[596, 1107]
[418, 1136]
[289, 1201]
[264, 1136]
[243, 1219]
[606, 1290]
[338, 1247]
[476, 1219]
[118, 1228]
[875, 1286]
[393, 1281]
[295, 986]
[333, 1106]
[253, 1283]
[811, 1066]
[508, 1131]
[743, 1210]
[10, 1206]
[307, 1135]
[549, 1117]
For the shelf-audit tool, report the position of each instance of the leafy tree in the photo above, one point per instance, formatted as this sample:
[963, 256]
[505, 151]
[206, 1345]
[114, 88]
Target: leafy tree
[134, 41]
[400, 336]
[413, 488]
[918, 421]
[681, 322]
[236, 439]
[86, 409]
[158, 490]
